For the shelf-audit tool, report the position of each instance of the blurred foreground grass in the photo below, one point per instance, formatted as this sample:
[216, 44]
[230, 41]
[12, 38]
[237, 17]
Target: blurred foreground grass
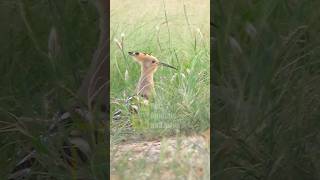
[266, 89]
[34, 87]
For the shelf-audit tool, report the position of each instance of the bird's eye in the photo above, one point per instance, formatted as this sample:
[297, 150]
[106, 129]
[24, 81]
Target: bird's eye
[153, 61]
[136, 53]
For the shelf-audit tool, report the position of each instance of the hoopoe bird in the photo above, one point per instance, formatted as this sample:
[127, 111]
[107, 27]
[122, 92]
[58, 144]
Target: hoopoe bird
[149, 65]
[145, 86]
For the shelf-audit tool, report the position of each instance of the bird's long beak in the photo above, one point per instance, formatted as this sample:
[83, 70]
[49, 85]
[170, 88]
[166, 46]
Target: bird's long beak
[167, 65]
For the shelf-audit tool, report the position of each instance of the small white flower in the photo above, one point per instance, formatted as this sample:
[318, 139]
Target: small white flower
[145, 102]
[173, 77]
[118, 43]
[200, 33]
[188, 70]
[122, 39]
[183, 76]
[126, 75]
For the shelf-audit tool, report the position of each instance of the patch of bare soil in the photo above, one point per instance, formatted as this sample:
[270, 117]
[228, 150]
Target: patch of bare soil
[168, 158]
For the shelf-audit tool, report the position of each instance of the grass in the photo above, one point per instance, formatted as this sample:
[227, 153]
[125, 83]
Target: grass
[266, 89]
[178, 34]
[176, 158]
[35, 87]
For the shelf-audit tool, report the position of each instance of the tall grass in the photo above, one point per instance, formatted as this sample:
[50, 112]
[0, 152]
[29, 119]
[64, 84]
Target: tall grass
[266, 89]
[35, 87]
[176, 33]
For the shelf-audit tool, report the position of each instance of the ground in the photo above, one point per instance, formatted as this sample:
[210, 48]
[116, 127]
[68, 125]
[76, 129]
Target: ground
[168, 158]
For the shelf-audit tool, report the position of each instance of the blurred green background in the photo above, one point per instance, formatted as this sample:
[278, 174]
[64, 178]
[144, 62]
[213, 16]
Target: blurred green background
[35, 85]
[266, 89]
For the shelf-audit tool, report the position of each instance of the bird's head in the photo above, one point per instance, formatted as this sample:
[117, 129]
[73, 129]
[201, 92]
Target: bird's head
[148, 62]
